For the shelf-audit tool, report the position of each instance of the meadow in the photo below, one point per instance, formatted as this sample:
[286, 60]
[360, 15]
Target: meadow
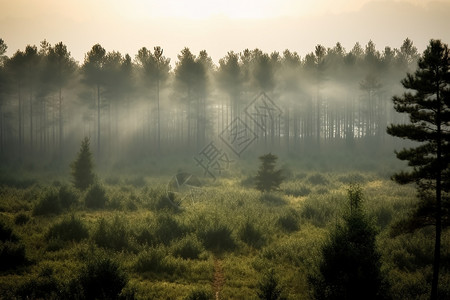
[129, 236]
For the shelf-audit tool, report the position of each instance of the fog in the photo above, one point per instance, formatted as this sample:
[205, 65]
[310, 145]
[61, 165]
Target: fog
[138, 108]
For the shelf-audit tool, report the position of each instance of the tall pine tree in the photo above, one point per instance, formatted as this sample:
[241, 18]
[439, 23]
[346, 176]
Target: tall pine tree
[427, 102]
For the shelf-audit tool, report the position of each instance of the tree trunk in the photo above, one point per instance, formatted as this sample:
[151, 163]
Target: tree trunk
[437, 242]
[60, 124]
[98, 121]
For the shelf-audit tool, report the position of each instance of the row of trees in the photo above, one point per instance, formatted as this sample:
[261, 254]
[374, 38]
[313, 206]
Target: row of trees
[48, 101]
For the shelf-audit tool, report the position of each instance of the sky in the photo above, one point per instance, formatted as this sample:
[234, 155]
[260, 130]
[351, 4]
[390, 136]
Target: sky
[221, 26]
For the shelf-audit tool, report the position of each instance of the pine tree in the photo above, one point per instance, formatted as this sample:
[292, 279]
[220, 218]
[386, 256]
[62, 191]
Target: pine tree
[82, 172]
[268, 178]
[428, 108]
[350, 266]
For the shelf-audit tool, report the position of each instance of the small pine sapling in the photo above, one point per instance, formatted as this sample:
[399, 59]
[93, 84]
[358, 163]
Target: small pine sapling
[268, 179]
[82, 173]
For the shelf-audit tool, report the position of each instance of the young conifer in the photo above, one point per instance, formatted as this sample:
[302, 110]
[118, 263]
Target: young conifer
[82, 173]
[268, 178]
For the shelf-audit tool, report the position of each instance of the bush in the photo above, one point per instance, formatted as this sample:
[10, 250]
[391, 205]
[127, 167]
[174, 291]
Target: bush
[272, 199]
[153, 260]
[21, 218]
[300, 191]
[95, 197]
[72, 229]
[48, 203]
[102, 278]
[168, 229]
[289, 222]
[250, 235]
[44, 286]
[67, 196]
[145, 236]
[113, 235]
[6, 233]
[217, 237]
[188, 247]
[268, 287]
[317, 179]
[199, 295]
[12, 255]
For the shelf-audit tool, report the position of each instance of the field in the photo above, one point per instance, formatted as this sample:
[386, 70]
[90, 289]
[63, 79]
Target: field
[128, 235]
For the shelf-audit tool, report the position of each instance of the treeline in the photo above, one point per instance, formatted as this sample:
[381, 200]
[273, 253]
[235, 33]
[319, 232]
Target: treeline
[140, 105]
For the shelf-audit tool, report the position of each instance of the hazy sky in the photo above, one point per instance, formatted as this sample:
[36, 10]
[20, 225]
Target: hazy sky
[221, 26]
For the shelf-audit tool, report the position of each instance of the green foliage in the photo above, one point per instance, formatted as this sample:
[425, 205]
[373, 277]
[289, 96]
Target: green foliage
[95, 197]
[21, 218]
[168, 229]
[189, 247]
[217, 237]
[101, 278]
[268, 287]
[350, 268]
[12, 255]
[428, 109]
[43, 286]
[268, 179]
[317, 179]
[48, 203]
[82, 167]
[67, 196]
[251, 235]
[289, 221]
[153, 260]
[113, 235]
[72, 229]
[6, 233]
[199, 294]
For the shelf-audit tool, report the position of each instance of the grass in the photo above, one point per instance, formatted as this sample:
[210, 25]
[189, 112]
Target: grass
[157, 250]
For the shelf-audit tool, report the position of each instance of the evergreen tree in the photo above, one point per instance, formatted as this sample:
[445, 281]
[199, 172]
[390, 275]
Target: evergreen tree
[428, 108]
[269, 288]
[82, 173]
[268, 178]
[350, 266]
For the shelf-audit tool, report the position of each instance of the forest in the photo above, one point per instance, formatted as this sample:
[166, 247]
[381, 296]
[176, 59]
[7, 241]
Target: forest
[146, 105]
[262, 176]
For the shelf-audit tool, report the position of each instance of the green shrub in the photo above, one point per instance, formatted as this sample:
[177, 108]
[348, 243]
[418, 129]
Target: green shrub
[145, 236]
[95, 197]
[168, 202]
[21, 218]
[72, 229]
[48, 203]
[300, 191]
[102, 278]
[6, 233]
[153, 260]
[250, 235]
[289, 222]
[199, 295]
[317, 179]
[268, 287]
[113, 235]
[188, 247]
[217, 237]
[168, 229]
[272, 199]
[67, 196]
[12, 255]
[44, 286]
